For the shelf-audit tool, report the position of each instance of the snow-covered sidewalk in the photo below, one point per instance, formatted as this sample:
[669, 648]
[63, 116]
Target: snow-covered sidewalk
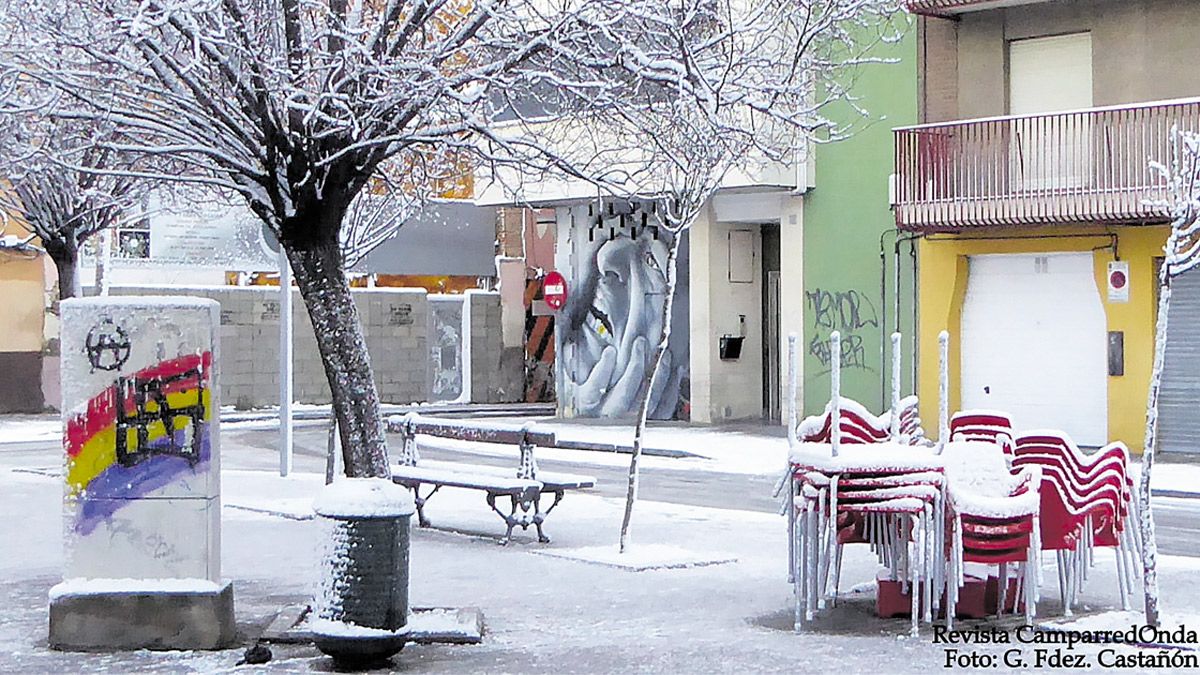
[745, 449]
[543, 613]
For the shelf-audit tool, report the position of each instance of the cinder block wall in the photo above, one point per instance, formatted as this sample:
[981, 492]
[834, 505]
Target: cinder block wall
[394, 320]
[497, 373]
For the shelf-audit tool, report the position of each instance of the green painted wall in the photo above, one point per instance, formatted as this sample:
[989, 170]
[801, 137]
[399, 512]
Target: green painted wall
[844, 217]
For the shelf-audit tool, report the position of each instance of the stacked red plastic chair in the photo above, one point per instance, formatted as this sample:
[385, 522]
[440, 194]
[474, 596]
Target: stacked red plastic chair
[983, 425]
[858, 425]
[1087, 501]
[999, 530]
[898, 510]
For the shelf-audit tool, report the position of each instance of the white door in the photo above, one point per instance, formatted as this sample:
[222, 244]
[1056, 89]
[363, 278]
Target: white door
[1046, 75]
[1034, 343]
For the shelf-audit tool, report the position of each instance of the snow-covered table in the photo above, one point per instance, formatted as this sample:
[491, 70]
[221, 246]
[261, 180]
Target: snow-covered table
[895, 497]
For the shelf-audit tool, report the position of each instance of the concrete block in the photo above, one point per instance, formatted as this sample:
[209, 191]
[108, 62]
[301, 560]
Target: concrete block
[143, 620]
[154, 355]
[149, 538]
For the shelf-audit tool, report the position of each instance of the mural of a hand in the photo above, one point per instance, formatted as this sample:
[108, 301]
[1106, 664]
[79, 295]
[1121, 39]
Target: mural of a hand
[596, 397]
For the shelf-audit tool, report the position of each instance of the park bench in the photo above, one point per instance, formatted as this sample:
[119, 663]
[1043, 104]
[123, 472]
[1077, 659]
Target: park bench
[523, 489]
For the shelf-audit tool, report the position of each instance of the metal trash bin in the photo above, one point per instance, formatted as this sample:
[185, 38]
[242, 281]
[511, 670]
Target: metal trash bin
[361, 609]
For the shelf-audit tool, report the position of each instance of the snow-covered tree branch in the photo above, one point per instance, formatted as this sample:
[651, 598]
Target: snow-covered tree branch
[700, 91]
[52, 186]
[1182, 180]
[296, 104]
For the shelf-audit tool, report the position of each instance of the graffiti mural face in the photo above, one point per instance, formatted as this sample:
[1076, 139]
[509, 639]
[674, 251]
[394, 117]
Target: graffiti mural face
[614, 322]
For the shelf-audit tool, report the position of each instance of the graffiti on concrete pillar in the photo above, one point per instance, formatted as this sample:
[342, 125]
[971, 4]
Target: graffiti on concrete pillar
[152, 406]
[107, 346]
[613, 322]
[141, 433]
[852, 314]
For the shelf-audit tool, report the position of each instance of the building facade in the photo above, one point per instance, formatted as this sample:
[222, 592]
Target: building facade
[612, 257]
[858, 268]
[24, 271]
[802, 249]
[1030, 187]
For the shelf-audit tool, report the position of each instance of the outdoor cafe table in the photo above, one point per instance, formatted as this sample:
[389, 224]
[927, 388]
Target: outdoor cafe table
[962, 472]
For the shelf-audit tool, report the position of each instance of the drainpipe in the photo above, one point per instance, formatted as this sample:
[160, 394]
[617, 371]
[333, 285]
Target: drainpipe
[883, 309]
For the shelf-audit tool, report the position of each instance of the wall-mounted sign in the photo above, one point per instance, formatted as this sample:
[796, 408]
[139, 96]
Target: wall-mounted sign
[554, 290]
[1118, 281]
[400, 315]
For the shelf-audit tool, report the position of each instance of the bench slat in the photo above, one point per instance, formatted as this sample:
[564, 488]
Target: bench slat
[469, 478]
[553, 480]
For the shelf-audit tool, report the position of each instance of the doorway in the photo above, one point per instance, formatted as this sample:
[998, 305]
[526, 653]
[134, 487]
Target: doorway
[772, 344]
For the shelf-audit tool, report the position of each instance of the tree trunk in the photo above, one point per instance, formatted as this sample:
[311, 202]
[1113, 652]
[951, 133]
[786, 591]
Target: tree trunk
[66, 263]
[317, 266]
[664, 337]
[1149, 544]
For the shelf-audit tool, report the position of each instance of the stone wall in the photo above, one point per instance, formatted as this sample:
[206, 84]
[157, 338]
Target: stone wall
[396, 322]
[497, 373]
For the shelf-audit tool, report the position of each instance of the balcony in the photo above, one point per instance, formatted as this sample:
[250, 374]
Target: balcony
[1087, 166]
[947, 8]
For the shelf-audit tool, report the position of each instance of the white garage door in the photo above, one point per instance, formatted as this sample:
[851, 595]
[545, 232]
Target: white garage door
[1034, 343]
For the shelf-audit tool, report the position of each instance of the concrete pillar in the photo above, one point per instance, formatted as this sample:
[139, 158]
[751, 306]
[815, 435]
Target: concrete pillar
[702, 347]
[791, 288]
[142, 508]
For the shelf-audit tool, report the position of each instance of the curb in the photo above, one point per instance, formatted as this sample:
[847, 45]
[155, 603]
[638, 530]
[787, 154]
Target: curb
[473, 409]
[1176, 494]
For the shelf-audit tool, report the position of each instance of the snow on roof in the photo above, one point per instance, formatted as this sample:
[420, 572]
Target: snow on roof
[364, 498]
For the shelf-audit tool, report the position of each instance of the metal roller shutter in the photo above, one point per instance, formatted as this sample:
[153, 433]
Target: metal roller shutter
[1179, 400]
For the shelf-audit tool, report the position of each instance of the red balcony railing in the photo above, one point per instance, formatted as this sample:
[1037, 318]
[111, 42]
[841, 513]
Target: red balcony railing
[1088, 166]
[951, 7]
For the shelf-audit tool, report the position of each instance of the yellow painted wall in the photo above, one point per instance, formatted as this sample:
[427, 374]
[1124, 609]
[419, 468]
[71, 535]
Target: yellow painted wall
[943, 286]
[22, 290]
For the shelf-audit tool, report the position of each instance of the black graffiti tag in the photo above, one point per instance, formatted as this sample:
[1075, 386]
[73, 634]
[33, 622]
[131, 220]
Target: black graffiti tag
[845, 311]
[107, 346]
[849, 312]
[853, 354]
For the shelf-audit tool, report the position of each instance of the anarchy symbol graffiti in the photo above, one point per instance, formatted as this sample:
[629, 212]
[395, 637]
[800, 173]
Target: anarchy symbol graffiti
[107, 346]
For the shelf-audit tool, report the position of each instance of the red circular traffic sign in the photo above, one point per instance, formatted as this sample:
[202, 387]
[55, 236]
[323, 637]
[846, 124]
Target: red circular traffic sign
[1117, 279]
[554, 290]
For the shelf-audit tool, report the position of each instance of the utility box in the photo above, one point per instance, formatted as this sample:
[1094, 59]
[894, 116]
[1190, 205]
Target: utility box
[141, 492]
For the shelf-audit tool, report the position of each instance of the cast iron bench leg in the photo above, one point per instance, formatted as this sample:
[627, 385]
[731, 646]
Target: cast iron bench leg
[421, 519]
[539, 516]
[510, 519]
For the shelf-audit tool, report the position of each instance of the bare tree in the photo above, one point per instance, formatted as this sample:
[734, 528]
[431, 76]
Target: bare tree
[703, 90]
[1182, 179]
[63, 203]
[295, 105]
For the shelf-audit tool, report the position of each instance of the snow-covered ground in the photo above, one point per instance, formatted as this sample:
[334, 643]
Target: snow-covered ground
[542, 613]
[30, 428]
[745, 450]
